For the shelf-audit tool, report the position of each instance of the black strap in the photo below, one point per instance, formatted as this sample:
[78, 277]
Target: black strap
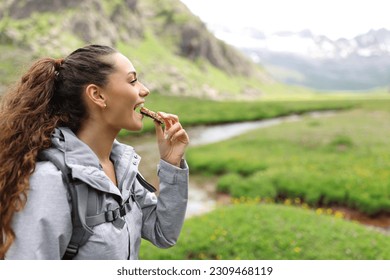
[81, 231]
[145, 184]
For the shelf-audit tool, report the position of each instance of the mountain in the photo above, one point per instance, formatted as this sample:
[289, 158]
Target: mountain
[316, 61]
[170, 47]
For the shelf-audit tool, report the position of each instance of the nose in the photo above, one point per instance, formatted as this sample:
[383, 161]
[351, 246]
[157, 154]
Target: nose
[144, 91]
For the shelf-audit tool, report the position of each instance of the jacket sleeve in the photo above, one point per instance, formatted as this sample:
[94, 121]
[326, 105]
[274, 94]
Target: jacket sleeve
[43, 227]
[163, 217]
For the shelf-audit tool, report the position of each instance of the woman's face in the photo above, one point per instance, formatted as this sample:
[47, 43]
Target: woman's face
[124, 94]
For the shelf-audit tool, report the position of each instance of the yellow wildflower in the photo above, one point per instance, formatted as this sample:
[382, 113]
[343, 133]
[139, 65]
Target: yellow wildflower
[305, 206]
[339, 214]
[297, 250]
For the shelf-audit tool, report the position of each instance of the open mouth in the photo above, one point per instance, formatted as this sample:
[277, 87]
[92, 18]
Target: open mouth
[138, 107]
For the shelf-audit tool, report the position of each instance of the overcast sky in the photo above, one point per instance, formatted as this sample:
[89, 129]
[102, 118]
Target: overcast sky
[333, 18]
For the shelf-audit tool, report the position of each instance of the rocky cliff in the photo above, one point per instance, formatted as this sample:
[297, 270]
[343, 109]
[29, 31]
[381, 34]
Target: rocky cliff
[141, 29]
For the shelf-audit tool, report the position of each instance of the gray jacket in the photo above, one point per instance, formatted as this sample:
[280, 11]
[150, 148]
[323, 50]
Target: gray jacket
[43, 228]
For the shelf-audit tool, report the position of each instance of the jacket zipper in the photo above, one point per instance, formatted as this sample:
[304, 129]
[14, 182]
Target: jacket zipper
[124, 177]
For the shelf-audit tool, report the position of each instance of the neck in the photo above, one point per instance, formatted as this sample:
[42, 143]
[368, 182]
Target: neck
[99, 139]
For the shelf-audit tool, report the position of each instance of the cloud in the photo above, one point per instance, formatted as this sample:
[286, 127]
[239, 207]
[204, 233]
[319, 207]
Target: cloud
[334, 18]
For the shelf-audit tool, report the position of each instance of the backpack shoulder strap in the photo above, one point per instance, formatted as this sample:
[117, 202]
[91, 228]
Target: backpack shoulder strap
[79, 192]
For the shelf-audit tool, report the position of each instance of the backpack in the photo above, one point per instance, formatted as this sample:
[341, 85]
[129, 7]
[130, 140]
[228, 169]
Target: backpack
[85, 204]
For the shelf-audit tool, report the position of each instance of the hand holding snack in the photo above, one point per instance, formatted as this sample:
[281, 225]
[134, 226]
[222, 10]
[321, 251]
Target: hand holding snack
[173, 140]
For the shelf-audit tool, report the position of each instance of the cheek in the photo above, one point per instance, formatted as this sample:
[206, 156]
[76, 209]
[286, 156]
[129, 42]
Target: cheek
[126, 99]
[123, 100]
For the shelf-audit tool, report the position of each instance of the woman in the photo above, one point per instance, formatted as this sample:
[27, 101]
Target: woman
[75, 108]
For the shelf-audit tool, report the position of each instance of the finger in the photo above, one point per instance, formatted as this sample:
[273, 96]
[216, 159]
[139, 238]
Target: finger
[173, 117]
[159, 131]
[167, 122]
[169, 119]
[180, 136]
[172, 130]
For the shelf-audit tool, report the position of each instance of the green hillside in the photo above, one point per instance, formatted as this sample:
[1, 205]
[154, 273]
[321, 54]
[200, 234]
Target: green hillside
[171, 49]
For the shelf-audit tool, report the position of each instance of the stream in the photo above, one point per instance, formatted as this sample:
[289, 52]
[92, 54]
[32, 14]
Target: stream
[202, 192]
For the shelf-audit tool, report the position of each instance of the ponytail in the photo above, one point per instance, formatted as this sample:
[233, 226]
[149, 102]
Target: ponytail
[26, 124]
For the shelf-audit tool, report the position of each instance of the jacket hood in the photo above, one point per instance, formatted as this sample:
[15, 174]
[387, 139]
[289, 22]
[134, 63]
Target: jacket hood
[85, 165]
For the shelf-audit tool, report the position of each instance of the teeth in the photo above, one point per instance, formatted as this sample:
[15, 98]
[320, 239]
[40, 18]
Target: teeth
[139, 106]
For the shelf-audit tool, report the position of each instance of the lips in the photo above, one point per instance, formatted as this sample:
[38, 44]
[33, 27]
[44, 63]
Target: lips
[138, 107]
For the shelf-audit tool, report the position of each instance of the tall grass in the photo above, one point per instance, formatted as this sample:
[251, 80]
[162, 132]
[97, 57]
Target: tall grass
[272, 232]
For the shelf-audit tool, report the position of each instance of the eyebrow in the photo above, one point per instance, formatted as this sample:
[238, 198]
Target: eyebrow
[132, 73]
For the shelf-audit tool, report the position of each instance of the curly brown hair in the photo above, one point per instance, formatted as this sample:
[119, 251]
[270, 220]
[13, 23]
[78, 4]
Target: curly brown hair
[47, 96]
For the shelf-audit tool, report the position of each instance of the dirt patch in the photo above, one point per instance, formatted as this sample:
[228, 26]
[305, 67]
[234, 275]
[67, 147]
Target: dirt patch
[224, 199]
[380, 220]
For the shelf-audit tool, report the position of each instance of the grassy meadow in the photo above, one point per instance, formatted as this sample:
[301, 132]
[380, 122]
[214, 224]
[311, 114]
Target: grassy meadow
[250, 231]
[338, 160]
[284, 181]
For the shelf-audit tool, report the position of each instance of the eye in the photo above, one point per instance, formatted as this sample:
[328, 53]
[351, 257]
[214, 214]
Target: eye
[134, 81]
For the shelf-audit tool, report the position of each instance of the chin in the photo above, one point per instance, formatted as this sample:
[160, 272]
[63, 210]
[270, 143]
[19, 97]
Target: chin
[135, 127]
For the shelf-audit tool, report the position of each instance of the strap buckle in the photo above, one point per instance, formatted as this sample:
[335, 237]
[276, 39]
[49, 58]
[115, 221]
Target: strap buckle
[71, 251]
[112, 215]
[122, 211]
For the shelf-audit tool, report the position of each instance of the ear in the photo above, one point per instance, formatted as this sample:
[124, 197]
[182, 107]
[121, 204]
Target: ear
[95, 95]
